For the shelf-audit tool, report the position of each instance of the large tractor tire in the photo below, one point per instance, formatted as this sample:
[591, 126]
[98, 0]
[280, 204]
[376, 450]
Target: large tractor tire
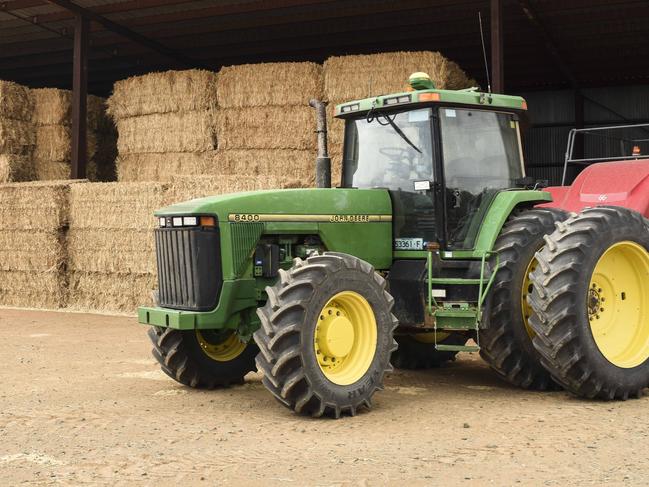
[506, 340]
[417, 351]
[591, 303]
[326, 335]
[202, 358]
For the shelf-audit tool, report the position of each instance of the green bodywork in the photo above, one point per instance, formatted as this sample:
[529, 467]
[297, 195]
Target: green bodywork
[323, 210]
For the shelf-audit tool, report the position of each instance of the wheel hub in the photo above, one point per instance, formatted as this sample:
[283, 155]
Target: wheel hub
[336, 334]
[345, 338]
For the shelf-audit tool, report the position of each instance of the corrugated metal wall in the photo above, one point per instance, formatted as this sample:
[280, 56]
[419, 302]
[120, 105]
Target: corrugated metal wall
[552, 115]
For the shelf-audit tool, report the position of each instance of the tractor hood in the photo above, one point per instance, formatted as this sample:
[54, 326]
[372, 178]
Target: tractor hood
[324, 205]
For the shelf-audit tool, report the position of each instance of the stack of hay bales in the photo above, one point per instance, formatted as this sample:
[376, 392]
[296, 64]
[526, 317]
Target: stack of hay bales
[265, 124]
[32, 252]
[17, 137]
[166, 124]
[348, 78]
[52, 118]
[110, 242]
[111, 259]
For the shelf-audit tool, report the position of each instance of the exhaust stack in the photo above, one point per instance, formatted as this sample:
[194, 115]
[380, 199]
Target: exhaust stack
[322, 162]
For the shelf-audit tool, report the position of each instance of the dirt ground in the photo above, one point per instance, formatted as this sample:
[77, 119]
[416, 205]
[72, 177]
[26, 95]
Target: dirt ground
[83, 402]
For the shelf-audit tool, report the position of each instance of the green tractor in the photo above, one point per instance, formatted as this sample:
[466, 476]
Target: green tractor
[428, 243]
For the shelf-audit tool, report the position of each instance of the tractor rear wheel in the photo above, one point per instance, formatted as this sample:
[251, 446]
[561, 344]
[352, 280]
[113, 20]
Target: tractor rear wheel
[202, 358]
[591, 303]
[506, 340]
[326, 335]
[417, 350]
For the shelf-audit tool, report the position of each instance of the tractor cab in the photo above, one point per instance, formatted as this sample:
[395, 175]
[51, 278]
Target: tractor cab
[443, 156]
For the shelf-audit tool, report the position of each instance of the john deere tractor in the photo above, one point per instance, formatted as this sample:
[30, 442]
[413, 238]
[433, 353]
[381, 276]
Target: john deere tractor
[428, 242]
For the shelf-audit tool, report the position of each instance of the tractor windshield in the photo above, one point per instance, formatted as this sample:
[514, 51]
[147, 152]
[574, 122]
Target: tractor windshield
[389, 150]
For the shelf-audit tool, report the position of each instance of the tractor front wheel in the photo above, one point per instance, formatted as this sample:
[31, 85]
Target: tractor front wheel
[326, 335]
[591, 303]
[202, 358]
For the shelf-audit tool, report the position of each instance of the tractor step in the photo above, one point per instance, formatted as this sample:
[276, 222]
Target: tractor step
[456, 319]
[457, 348]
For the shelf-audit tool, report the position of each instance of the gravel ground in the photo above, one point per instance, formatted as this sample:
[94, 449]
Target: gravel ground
[83, 402]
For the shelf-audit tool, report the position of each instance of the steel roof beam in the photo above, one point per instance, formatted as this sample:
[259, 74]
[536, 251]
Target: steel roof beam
[127, 33]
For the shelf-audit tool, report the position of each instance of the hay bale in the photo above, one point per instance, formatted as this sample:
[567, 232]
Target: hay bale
[267, 128]
[279, 163]
[121, 293]
[170, 132]
[349, 78]
[15, 102]
[30, 289]
[88, 251]
[252, 85]
[41, 206]
[15, 168]
[111, 244]
[53, 143]
[186, 188]
[110, 206]
[30, 250]
[165, 167]
[16, 137]
[170, 91]
[53, 106]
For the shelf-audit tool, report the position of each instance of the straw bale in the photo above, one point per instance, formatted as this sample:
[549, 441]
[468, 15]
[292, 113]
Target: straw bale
[16, 136]
[267, 128]
[281, 163]
[110, 292]
[111, 206]
[171, 132]
[31, 289]
[53, 143]
[251, 85]
[15, 102]
[170, 91]
[53, 106]
[352, 77]
[186, 188]
[165, 167]
[35, 205]
[29, 250]
[15, 168]
[98, 250]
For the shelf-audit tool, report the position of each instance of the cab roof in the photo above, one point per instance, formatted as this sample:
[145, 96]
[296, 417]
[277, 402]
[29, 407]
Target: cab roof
[427, 97]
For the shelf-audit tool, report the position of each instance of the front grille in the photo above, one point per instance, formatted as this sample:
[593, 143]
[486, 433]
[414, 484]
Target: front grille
[189, 267]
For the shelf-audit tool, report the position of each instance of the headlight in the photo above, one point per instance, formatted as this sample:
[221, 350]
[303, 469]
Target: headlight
[190, 221]
[163, 222]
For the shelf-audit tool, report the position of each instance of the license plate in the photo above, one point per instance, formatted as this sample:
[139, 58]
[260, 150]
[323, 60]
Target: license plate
[408, 243]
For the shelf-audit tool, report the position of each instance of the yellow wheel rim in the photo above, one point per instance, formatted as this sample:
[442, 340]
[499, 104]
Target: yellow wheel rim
[430, 338]
[224, 351]
[526, 290]
[618, 304]
[345, 338]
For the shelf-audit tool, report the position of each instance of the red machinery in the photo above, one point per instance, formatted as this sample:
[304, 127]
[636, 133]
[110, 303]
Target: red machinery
[618, 180]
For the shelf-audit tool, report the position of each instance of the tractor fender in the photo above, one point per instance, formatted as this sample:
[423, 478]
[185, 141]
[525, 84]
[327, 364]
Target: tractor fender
[620, 183]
